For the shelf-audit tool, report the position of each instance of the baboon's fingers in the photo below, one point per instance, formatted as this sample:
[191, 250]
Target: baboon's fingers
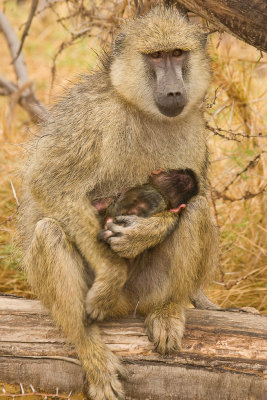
[126, 220]
[115, 228]
[104, 234]
[178, 209]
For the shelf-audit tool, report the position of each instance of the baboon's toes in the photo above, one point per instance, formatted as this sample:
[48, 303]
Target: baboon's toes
[166, 334]
[110, 389]
[95, 310]
[97, 303]
[109, 386]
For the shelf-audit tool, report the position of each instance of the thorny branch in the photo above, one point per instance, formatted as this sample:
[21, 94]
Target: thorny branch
[250, 164]
[232, 135]
[247, 195]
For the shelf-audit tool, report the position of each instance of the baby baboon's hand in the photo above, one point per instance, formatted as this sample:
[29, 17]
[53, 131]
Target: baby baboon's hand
[130, 235]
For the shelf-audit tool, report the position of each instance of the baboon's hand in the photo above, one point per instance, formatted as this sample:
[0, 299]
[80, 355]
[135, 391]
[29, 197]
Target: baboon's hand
[130, 235]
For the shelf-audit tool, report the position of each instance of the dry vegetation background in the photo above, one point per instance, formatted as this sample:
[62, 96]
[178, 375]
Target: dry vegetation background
[235, 111]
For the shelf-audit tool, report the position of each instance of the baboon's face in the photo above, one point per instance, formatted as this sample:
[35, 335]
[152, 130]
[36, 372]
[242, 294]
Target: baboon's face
[159, 65]
[167, 70]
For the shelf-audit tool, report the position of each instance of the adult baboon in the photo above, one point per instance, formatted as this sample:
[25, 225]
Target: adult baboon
[138, 113]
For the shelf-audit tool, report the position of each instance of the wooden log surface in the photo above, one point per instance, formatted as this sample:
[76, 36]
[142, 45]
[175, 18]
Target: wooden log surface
[224, 355]
[245, 19]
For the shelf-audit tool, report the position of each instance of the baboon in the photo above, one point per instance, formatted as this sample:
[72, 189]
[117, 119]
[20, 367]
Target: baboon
[166, 190]
[139, 112]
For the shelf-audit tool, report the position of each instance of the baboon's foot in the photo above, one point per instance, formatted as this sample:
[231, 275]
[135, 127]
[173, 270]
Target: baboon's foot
[109, 388]
[100, 300]
[104, 383]
[165, 332]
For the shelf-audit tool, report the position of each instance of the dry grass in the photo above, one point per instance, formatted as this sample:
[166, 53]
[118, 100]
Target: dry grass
[23, 392]
[239, 77]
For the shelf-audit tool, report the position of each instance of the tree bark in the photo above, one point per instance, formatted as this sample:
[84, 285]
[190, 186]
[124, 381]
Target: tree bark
[224, 355]
[245, 19]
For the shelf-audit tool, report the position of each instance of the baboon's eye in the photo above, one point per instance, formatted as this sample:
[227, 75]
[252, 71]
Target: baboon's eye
[156, 54]
[177, 53]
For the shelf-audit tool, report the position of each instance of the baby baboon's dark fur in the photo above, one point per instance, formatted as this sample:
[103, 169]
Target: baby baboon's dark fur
[166, 190]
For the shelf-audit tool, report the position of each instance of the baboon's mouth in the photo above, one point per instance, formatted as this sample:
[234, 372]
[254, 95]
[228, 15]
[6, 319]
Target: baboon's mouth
[170, 111]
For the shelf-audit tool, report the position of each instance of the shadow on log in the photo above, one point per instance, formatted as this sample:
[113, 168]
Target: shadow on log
[224, 355]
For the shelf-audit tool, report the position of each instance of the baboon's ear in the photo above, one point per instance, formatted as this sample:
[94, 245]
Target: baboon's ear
[118, 44]
[182, 10]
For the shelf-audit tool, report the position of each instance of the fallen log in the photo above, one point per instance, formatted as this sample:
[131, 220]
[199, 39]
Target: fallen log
[224, 355]
[245, 19]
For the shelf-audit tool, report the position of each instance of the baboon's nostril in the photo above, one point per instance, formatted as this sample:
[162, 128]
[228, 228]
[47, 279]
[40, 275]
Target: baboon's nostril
[173, 94]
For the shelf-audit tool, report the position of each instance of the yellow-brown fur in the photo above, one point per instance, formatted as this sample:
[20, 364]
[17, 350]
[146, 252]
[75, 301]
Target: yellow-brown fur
[103, 136]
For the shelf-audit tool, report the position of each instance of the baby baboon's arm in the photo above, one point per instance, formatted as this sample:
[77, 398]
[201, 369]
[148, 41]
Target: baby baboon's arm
[131, 235]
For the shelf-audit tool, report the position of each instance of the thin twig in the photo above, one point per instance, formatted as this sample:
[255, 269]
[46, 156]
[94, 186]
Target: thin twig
[250, 164]
[63, 46]
[27, 28]
[246, 196]
[217, 131]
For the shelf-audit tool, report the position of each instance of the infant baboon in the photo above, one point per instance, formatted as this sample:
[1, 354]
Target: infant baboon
[166, 190]
[138, 113]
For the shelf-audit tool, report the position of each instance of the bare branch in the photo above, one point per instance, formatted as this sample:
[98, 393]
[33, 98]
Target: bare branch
[13, 44]
[62, 47]
[25, 98]
[7, 86]
[22, 93]
[33, 106]
[246, 196]
[27, 27]
[232, 135]
[249, 165]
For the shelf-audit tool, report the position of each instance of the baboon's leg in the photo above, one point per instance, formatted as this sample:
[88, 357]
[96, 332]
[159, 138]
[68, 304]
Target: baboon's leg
[57, 275]
[165, 327]
[191, 255]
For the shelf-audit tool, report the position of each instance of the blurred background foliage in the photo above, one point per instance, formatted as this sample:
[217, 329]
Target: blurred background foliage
[63, 42]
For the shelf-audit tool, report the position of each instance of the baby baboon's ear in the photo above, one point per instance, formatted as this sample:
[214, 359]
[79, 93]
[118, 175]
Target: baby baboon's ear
[118, 44]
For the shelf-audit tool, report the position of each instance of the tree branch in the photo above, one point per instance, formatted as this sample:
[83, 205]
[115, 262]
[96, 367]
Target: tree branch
[26, 97]
[27, 27]
[245, 19]
[223, 353]
[13, 44]
[7, 86]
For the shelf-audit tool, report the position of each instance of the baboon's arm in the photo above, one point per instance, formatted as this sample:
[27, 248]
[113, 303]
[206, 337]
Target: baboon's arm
[131, 235]
[74, 212]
